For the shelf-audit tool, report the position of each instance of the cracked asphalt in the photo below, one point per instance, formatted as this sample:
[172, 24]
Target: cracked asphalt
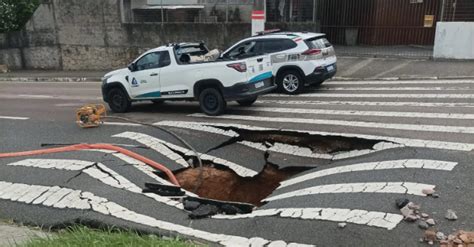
[355, 151]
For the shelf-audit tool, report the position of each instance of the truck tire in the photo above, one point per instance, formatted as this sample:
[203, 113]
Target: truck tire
[290, 82]
[211, 102]
[247, 102]
[118, 100]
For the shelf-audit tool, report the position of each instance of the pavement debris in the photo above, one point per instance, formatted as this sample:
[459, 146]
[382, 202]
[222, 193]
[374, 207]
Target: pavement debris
[341, 225]
[425, 215]
[423, 225]
[413, 206]
[428, 191]
[459, 239]
[440, 236]
[430, 222]
[451, 215]
[401, 202]
[203, 211]
[191, 205]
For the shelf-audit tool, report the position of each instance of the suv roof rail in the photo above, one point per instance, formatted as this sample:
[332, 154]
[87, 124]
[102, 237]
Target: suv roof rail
[269, 31]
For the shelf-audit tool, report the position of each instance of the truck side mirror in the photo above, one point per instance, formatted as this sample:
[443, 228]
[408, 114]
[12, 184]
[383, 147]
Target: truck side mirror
[132, 67]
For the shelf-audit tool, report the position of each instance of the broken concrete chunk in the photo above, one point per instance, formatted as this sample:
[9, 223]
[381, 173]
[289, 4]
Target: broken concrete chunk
[440, 236]
[406, 211]
[341, 225]
[429, 235]
[203, 211]
[411, 218]
[430, 222]
[424, 215]
[428, 191]
[230, 209]
[191, 205]
[413, 206]
[423, 225]
[401, 202]
[435, 195]
[451, 215]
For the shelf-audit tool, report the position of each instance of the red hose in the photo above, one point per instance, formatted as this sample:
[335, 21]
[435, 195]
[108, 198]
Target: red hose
[96, 146]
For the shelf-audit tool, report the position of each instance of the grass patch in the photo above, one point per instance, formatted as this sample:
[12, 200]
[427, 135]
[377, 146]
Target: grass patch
[83, 236]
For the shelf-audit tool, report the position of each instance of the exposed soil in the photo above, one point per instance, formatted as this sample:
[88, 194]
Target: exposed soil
[224, 184]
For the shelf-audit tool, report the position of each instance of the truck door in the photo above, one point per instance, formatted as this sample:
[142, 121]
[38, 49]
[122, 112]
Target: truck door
[145, 79]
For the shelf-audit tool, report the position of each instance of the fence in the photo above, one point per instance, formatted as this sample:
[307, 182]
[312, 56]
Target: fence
[357, 27]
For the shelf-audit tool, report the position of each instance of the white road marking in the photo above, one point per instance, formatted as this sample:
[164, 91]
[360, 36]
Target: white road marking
[14, 118]
[35, 96]
[375, 82]
[376, 187]
[307, 152]
[363, 103]
[95, 170]
[121, 124]
[355, 216]
[362, 113]
[375, 95]
[403, 141]
[57, 197]
[154, 142]
[371, 166]
[413, 127]
[391, 88]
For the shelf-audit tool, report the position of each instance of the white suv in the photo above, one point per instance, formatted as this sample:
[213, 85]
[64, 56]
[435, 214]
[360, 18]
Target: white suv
[299, 58]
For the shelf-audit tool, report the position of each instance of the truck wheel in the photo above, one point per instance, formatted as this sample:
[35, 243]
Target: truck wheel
[290, 82]
[211, 102]
[118, 100]
[247, 102]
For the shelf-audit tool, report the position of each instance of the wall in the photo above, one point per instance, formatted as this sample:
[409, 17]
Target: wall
[454, 40]
[90, 35]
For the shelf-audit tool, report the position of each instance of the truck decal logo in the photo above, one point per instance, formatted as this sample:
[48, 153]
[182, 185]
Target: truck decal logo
[134, 83]
[176, 92]
[261, 77]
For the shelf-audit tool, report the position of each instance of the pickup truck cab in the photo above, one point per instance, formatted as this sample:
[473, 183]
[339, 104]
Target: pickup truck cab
[167, 73]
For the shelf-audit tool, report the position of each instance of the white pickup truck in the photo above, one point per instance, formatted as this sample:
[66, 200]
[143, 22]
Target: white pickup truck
[167, 73]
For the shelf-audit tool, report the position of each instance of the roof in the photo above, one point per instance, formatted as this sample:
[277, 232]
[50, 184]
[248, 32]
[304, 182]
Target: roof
[303, 35]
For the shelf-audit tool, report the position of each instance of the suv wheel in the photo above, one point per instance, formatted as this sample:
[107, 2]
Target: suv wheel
[247, 102]
[118, 100]
[290, 82]
[211, 102]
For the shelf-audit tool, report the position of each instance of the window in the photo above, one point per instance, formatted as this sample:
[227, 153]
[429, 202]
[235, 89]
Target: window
[277, 45]
[149, 61]
[165, 59]
[318, 43]
[247, 48]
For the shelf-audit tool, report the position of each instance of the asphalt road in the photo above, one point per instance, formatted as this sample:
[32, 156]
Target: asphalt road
[362, 145]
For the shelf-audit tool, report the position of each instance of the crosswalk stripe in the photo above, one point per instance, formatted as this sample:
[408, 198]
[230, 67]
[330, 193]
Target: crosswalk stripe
[392, 88]
[413, 127]
[362, 113]
[14, 118]
[363, 103]
[408, 142]
[153, 142]
[407, 188]
[94, 170]
[375, 82]
[355, 216]
[377, 95]
[60, 198]
[373, 166]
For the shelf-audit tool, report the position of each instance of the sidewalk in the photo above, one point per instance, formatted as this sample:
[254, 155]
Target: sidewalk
[349, 68]
[12, 235]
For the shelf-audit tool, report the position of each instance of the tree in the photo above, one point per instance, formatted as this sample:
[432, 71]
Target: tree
[15, 13]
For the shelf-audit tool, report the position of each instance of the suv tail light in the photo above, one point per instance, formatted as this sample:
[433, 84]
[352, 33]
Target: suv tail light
[312, 52]
[241, 67]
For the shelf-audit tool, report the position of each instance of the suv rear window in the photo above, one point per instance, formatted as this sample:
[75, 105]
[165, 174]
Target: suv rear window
[318, 43]
[277, 45]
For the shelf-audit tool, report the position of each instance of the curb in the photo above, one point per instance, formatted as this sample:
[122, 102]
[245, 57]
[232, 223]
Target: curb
[98, 79]
[50, 79]
[404, 78]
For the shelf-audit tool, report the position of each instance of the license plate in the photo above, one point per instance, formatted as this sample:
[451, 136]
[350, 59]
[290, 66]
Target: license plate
[259, 84]
[330, 68]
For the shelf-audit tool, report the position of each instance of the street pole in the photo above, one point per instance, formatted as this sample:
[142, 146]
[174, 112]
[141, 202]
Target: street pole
[258, 16]
[443, 5]
[162, 15]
